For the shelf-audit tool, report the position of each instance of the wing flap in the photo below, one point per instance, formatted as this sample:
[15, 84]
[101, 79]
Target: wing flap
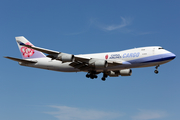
[20, 60]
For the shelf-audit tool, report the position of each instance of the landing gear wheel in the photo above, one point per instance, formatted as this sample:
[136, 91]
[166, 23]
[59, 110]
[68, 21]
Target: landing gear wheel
[87, 75]
[156, 71]
[103, 78]
[91, 75]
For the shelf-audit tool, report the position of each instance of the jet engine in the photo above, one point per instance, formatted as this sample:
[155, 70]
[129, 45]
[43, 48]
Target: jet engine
[101, 64]
[98, 63]
[113, 73]
[124, 72]
[64, 57]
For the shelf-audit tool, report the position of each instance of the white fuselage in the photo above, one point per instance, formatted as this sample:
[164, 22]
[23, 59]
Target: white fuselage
[132, 58]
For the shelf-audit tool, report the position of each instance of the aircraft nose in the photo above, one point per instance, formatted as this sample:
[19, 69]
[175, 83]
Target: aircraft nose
[168, 56]
[172, 56]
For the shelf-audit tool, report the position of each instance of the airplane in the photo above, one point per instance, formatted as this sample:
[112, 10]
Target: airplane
[111, 64]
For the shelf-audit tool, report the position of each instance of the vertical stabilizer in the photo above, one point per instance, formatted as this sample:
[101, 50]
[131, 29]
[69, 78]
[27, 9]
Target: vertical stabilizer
[28, 53]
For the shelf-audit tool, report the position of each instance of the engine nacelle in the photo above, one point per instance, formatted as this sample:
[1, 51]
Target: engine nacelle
[64, 57]
[98, 63]
[101, 64]
[124, 72]
[113, 74]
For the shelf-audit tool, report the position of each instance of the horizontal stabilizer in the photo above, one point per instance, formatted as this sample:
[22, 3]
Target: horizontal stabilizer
[21, 60]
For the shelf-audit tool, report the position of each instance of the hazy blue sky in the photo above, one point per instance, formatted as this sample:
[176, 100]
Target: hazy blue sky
[82, 26]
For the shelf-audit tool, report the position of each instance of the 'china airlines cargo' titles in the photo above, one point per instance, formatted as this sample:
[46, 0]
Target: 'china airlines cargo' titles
[124, 55]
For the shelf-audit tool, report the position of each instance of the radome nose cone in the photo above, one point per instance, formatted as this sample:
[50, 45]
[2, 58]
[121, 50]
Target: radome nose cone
[172, 55]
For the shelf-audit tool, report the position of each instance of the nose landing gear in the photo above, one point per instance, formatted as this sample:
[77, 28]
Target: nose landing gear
[156, 71]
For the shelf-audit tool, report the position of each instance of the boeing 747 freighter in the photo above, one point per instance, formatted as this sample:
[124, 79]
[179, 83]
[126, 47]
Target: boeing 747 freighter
[111, 64]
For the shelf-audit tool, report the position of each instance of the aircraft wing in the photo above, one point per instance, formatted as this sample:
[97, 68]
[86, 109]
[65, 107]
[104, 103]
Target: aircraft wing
[85, 65]
[47, 51]
[76, 61]
[21, 60]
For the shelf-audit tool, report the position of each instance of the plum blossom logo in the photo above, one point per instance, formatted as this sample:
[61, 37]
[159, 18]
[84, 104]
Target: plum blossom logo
[106, 57]
[27, 52]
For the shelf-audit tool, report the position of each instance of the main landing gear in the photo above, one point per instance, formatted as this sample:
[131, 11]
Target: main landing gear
[156, 71]
[104, 77]
[91, 75]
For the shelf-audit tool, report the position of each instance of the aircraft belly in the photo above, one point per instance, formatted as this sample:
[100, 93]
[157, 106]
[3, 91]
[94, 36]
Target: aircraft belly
[63, 67]
[53, 65]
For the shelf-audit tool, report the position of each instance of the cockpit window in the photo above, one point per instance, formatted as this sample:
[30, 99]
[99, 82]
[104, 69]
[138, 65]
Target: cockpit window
[161, 48]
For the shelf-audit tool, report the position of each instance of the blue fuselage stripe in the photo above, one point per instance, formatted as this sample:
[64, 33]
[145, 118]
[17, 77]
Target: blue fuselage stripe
[159, 60]
[154, 58]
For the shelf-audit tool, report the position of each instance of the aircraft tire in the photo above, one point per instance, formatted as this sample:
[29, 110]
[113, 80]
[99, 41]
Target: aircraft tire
[103, 78]
[156, 71]
[87, 75]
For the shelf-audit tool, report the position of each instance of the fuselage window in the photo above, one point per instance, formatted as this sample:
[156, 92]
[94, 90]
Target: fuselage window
[161, 48]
